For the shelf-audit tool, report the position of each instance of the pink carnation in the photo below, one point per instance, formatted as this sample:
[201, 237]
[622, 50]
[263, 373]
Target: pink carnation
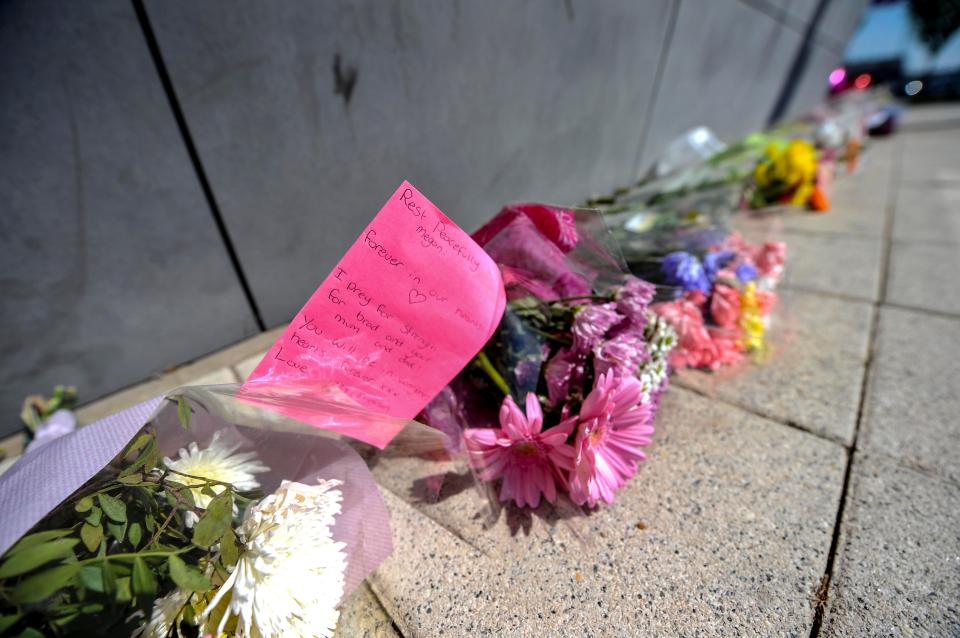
[613, 426]
[530, 462]
[725, 305]
[770, 258]
[727, 346]
[767, 301]
[694, 347]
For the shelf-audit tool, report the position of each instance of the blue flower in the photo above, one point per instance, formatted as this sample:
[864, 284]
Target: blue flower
[715, 261]
[684, 270]
[746, 272]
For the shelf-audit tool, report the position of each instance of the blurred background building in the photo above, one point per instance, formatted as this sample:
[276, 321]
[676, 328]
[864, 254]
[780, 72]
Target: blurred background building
[177, 176]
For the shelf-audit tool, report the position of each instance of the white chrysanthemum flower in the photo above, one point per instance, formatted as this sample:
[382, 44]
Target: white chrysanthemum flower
[219, 462]
[166, 611]
[289, 578]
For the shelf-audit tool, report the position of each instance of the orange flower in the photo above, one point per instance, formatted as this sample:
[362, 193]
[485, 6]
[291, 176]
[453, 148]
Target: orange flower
[818, 200]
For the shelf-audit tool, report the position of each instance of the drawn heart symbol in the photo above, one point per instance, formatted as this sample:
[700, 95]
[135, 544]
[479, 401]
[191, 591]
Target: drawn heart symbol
[416, 296]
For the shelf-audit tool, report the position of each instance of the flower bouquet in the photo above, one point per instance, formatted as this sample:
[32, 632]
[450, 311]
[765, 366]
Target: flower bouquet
[789, 174]
[723, 299]
[562, 398]
[215, 518]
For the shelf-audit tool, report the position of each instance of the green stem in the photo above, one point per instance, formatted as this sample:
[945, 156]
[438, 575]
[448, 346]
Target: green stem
[484, 361]
[96, 559]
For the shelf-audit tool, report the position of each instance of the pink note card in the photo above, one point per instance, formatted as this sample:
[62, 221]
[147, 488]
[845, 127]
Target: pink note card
[408, 306]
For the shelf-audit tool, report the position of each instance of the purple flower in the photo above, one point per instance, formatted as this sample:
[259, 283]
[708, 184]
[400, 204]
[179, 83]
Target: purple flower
[713, 262]
[591, 323]
[633, 299]
[623, 354]
[684, 270]
[562, 371]
[746, 272]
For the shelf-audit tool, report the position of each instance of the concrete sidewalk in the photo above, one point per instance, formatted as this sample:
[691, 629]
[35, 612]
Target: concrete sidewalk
[817, 495]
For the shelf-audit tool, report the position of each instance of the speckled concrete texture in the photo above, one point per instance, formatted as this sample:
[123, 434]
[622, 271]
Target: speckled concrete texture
[923, 275]
[814, 376]
[835, 264]
[913, 394]
[362, 616]
[724, 531]
[898, 568]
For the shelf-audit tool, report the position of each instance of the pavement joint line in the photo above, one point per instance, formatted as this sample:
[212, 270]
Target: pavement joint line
[822, 598]
[945, 243]
[763, 415]
[452, 531]
[940, 314]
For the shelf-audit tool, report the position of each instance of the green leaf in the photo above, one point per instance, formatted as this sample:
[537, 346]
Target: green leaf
[92, 577]
[124, 594]
[144, 581]
[95, 516]
[215, 521]
[117, 530]
[187, 577]
[138, 443]
[134, 534]
[183, 412]
[92, 536]
[6, 622]
[113, 507]
[43, 585]
[30, 632]
[33, 557]
[109, 578]
[131, 479]
[34, 539]
[84, 504]
[229, 553]
[146, 459]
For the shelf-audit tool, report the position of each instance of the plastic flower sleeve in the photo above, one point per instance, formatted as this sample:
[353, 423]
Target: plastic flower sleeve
[168, 496]
[560, 401]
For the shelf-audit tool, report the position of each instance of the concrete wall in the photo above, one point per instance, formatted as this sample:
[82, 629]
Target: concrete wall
[133, 241]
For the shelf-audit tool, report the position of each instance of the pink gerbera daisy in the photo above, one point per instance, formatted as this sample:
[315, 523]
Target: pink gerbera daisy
[529, 460]
[613, 426]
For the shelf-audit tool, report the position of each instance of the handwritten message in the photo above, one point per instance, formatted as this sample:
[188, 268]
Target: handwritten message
[408, 306]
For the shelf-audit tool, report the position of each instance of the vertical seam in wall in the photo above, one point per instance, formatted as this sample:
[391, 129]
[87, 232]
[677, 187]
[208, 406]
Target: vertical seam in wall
[201, 174]
[799, 64]
[652, 104]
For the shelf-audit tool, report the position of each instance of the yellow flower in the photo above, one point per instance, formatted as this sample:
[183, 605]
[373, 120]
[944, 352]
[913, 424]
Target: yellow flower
[750, 320]
[787, 170]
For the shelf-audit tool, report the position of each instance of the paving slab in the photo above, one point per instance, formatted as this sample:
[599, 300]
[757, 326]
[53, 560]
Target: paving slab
[815, 372]
[923, 275]
[724, 531]
[931, 156]
[362, 616]
[897, 572]
[834, 264]
[929, 214]
[913, 393]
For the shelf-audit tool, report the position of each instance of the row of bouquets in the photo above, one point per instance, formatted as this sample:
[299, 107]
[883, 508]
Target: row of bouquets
[212, 511]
